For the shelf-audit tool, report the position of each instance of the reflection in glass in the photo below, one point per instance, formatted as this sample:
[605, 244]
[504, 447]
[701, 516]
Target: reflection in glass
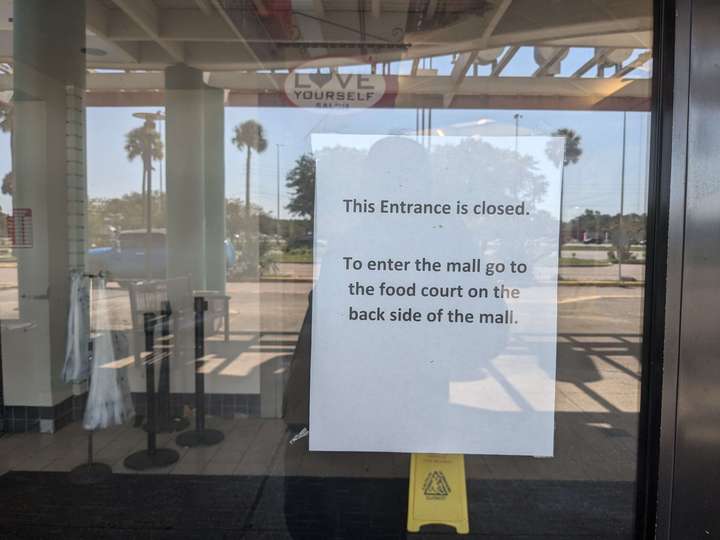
[177, 148]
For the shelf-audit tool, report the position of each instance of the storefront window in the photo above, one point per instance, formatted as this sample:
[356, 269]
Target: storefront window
[270, 253]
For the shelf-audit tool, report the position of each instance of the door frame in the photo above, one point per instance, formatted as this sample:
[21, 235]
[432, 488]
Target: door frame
[672, 407]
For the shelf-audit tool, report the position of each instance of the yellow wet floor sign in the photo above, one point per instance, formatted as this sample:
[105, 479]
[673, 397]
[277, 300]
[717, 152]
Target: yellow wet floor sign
[437, 493]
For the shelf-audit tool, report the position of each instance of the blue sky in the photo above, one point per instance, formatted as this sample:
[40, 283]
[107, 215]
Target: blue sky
[594, 182]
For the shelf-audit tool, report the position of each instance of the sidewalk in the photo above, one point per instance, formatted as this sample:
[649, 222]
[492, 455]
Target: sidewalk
[633, 274]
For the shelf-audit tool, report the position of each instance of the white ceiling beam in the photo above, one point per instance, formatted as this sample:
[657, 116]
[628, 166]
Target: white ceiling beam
[620, 40]
[632, 66]
[461, 65]
[574, 34]
[431, 8]
[254, 83]
[587, 66]
[146, 15]
[504, 61]
[463, 36]
[415, 66]
[542, 70]
[177, 25]
[228, 21]
[97, 19]
[235, 30]
[465, 60]
[459, 71]
[500, 8]
[204, 6]
[527, 86]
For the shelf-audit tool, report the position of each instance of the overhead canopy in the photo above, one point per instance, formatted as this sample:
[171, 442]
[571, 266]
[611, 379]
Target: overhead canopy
[246, 46]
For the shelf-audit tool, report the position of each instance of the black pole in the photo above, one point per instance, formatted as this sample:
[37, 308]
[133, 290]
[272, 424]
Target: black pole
[152, 457]
[164, 382]
[199, 353]
[90, 448]
[200, 436]
[90, 472]
[167, 422]
[150, 402]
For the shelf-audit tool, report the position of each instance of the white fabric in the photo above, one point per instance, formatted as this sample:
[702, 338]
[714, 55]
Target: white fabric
[77, 344]
[109, 400]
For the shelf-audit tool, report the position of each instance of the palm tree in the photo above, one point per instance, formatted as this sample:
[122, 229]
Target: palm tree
[571, 154]
[249, 136]
[573, 151]
[145, 142]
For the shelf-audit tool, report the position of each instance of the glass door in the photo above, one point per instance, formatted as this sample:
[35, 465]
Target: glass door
[328, 240]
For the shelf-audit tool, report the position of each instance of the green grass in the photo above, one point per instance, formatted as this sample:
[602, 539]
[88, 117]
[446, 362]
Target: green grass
[295, 256]
[595, 247]
[304, 256]
[631, 261]
[571, 261]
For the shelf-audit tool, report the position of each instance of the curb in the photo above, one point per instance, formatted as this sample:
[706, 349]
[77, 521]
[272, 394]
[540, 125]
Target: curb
[561, 283]
[284, 280]
[614, 283]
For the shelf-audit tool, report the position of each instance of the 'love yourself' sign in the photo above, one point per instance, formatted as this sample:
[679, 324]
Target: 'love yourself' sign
[336, 90]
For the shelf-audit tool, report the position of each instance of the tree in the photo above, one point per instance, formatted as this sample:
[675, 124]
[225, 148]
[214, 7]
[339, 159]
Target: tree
[249, 136]
[571, 154]
[121, 213]
[145, 142]
[600, 227]
[6, 126]
[573, 150]
[236, 219]
[301, 179]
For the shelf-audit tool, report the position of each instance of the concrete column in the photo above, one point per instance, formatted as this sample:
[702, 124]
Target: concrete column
[185, 151]
[215, 188]
[184, 106]
[49, 77]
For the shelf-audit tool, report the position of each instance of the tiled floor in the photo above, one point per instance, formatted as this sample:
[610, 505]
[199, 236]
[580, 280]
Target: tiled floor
[597, 393]
[589, 447]
[244, 450]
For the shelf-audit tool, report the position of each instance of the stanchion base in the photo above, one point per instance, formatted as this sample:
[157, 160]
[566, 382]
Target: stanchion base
[90, 473]
[205, 437]
[172, 425]
[144, 460]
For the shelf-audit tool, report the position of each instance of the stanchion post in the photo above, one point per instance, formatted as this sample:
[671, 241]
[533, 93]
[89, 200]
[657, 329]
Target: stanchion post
[163, 392]
[167, 422]
[200, 436]
[200, 306]
[150, 404]
[152, 457]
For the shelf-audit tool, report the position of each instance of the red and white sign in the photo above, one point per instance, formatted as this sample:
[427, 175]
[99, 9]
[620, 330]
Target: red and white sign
[20, 229]
[335, 90]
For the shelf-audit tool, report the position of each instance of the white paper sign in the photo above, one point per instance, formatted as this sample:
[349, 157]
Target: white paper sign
[434, 306]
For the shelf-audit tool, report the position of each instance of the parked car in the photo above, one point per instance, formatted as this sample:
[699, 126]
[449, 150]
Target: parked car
[125, 260]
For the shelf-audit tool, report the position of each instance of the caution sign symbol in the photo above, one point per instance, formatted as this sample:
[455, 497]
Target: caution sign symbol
[437, 492]
[436, 486]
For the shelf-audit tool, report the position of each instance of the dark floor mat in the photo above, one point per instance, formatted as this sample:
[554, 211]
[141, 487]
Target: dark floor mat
[47, 505]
